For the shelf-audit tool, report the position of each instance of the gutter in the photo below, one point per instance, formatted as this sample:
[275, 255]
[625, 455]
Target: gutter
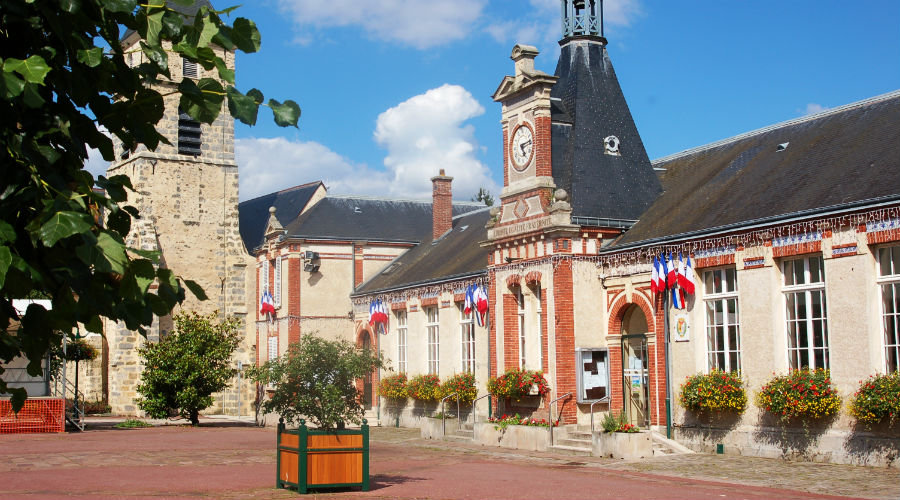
[416, 284]
[758, 223]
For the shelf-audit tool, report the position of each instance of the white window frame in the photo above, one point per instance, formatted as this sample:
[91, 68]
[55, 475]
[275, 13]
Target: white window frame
[467, 340]
[272, 348]
[803, 294]
[540, 326]
[888, 281]
[520, 310]
[276, 292]
[433, 335]
[264, 271]
[718, 338]
[402, 330]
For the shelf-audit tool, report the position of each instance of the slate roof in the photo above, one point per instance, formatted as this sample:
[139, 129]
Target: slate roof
[365, 218]
[840, 158]
[455, 255]
[587, 105]
[253, 215]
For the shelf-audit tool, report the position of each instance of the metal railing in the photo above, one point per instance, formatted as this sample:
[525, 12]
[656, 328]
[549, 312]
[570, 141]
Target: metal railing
[473, 406]
[75, 415]
[444, 413]
[550, 413]
[601, 400]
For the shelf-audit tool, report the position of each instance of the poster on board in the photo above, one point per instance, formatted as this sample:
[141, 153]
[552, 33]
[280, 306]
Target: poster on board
[681, 328]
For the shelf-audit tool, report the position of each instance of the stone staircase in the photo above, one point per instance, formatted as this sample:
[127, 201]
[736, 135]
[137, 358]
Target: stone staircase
[572, 440]
[465, 433]
[664, 447]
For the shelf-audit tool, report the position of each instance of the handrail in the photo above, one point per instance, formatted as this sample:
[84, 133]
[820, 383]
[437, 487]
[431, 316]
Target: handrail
[473, 406]
[604, 399]
[444, 414]
[550, 413]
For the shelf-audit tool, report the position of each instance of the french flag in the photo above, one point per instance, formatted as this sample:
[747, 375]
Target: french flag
[688, 282]
[654, 276]
[470, 300]
[678, 298]
[377, 312]
[481, 304]
[266, 303]
[672, 274]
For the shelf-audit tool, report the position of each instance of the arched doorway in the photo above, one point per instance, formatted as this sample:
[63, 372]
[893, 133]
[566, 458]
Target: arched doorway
[364, 340]
[635, 367]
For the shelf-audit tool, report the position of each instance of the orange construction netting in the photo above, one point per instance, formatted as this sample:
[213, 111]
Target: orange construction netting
[38, 415]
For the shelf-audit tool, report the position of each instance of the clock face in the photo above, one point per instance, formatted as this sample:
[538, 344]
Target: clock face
[522, 146]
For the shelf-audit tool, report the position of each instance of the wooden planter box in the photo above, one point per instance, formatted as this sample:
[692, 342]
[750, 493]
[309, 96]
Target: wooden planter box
[313, 459]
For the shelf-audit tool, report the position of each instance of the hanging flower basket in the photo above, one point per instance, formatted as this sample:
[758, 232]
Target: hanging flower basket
[516, 384]
[80, 350]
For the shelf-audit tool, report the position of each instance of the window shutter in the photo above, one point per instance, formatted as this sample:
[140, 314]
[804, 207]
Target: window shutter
[188, 68]
[276, 292]
[189, 138]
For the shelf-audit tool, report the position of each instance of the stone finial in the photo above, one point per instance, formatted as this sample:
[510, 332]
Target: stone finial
[524, 55]
[272, 210]
[560, 201]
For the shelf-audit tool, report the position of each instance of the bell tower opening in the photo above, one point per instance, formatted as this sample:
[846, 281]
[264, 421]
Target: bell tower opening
[582, 18]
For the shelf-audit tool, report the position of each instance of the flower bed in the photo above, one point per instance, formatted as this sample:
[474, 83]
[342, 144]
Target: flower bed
[506, 420]
[878, 399]
[617, 422]
[715, 391]
[424, 388]
[516, 384]
[803, 394]
[393, 387]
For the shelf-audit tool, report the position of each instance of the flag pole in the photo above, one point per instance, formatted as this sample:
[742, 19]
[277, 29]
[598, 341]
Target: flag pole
[667, 362]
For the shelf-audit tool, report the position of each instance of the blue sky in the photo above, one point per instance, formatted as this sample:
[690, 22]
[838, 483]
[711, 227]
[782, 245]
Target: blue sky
[392, 90]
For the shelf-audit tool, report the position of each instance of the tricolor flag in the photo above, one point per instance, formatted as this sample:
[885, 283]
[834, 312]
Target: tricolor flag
[266, 304]
[377, 312]
[677, 298]
[470, 299]
[672, 274]
[689, 285]
[480, 298]
[681, 277]
[660, 275]
[654, 276]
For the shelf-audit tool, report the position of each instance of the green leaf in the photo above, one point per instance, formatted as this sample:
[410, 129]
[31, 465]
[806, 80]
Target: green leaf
[207, 33]
[196, 289]
[286, 114]
[157, 56]
[90, 58]
[31, 97]
[119, 221]
[11, 85]
[172, 24]
[17, 400]
[224, 73]
[33, 69]
[114, 252]
[5, 261]
[154, 26]
[126, 6]
[184, 3]
[245, 35]
[62, 225]
[70, 6]
[7, 232]
[243, 107]
[203, 100]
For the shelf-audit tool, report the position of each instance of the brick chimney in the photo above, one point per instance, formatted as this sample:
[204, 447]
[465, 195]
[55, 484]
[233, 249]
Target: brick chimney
[442, 205]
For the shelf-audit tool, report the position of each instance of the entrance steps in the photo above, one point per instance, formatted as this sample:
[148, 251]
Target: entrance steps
[665, 447]
[572, 440]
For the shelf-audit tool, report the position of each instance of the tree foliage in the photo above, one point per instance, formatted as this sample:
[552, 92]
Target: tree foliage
[187, 366]
[316, 379]
[484, 195]
[65, 87]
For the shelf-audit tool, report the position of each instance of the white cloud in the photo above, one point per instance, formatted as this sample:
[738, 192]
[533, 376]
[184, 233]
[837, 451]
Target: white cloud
[266, 165]
[427, 133]
[415, 23]
[813, 108]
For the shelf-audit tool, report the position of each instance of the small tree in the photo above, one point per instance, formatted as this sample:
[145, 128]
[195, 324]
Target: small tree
[484, 196]
[316, 379]
[187, 366]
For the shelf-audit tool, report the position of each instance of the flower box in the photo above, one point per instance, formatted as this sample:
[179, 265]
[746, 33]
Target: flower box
[520, 437]
[311, 458]
[624, 445]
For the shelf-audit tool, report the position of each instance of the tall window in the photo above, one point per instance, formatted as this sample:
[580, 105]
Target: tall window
[889, 281]
[520, 305]
[273, 348]
[189, 140]
[723, 330]
[276, 285]
[467, 337]
[264, 276]
[401, 341]
[431, 325]
[807, 326]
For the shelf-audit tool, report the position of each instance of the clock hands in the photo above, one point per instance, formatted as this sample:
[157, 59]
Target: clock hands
[524, 145]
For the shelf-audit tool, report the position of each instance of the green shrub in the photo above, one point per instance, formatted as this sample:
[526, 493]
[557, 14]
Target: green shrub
[393, 386]
[424, 388]
[463, 384]
[133, 423]
[184, 369]
[516, 383]
[877, 399]
[316, 379]
[714, 391]
[501, 423]
[804, 394]
[617, 422]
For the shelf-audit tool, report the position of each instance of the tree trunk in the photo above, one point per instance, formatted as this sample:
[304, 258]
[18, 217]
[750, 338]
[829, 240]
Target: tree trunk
[195, 418]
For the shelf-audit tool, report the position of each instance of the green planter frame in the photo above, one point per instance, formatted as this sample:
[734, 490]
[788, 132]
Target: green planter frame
[306, 469]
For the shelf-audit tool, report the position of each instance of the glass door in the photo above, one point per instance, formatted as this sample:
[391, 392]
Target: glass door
[636, 377]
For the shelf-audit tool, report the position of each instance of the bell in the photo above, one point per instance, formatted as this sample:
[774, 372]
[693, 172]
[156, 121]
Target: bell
[579, 4]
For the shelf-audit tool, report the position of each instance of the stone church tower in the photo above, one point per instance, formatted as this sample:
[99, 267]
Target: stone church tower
[187, 195]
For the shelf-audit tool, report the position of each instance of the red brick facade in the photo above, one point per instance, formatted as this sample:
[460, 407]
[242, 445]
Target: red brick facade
[442, 205]
[564, 305]
[542, 159]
